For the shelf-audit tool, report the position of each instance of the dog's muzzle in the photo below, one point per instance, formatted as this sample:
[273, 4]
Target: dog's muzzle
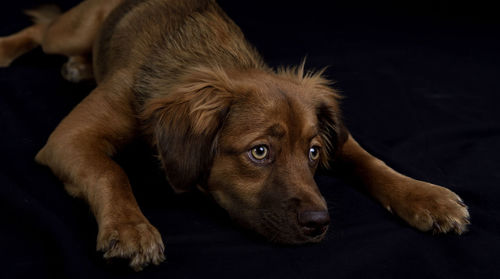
[313, 223]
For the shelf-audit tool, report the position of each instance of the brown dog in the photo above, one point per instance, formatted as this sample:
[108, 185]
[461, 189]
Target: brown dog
[181, 73]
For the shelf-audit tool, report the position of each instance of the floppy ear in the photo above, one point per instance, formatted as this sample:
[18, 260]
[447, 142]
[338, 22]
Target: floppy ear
[326, 101]
[331, 127]
[185, 124]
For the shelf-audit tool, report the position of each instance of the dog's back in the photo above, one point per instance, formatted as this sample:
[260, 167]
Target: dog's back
[163, 38]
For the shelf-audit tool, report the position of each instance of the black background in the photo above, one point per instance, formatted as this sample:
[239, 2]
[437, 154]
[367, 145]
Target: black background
[421, 80]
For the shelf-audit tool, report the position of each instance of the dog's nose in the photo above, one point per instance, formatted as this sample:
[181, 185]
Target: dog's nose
[314, 223]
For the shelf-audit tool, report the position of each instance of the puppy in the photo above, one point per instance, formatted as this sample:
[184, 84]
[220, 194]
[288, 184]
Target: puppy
[181, 73]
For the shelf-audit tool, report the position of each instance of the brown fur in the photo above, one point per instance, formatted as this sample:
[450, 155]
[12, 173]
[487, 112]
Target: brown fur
[182, 74]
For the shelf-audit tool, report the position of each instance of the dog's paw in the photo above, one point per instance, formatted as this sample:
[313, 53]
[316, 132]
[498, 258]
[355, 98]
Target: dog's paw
[429, 207]
[76, 70]
[138, 242]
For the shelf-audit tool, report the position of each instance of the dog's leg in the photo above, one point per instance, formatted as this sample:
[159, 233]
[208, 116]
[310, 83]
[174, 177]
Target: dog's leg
[27, 39]
[79, 152]
[74, 32]
[71, 34]
[16, 45]
[423, 205]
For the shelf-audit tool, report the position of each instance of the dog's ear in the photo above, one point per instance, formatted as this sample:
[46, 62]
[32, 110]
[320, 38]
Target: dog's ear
[185, 125]
[326, 101]
[331, 127]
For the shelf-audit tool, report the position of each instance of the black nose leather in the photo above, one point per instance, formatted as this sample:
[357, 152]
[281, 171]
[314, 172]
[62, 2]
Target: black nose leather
[314, 222]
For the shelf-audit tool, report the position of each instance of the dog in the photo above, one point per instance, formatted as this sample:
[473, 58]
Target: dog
[181, 74]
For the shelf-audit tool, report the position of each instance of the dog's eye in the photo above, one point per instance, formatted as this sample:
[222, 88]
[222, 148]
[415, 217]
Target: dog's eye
[314, 153]
[259, 153]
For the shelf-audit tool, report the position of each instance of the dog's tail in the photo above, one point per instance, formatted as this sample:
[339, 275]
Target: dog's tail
[44, 14]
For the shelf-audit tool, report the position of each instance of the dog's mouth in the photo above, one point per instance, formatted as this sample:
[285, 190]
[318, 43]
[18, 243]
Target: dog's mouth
[285, 222]
[285, 228]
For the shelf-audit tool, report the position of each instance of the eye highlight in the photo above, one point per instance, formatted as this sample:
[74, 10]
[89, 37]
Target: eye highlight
[259, 153]
[314, 153]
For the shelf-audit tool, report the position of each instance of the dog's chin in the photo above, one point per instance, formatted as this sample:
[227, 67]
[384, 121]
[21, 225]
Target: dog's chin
[283, 231]
[292, 237]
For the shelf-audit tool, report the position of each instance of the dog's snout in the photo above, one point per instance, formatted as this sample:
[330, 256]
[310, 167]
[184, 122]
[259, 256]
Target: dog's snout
[314, 222]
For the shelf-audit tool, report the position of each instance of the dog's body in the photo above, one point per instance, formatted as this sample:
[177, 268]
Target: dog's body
[182, 74]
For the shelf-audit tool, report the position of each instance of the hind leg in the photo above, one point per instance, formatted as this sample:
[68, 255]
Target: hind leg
[15, 45]
[71, 34]
[25, 40]
[74, 32]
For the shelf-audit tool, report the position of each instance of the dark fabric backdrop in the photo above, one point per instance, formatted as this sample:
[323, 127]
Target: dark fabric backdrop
[421, 80]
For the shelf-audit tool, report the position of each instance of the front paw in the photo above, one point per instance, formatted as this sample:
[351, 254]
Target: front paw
[139, 242]
[429, 207]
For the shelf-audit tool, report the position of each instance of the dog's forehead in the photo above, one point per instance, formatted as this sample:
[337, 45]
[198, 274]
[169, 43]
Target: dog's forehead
[273, 111]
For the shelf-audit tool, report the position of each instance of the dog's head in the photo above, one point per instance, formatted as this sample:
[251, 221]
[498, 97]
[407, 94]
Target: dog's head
[253, 141]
